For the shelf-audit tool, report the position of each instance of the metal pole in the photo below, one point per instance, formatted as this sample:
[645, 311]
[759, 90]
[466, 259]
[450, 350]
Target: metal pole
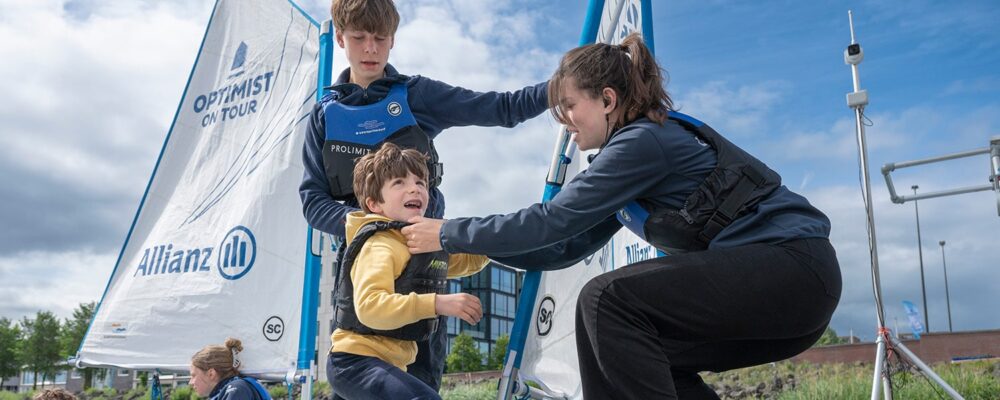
[947, 298]
[920, 252]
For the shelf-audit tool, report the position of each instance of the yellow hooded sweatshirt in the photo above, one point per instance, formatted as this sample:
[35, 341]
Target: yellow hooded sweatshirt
[380, 261]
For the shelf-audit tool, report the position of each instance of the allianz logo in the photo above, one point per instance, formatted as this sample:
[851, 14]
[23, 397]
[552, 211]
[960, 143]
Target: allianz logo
[233, 257]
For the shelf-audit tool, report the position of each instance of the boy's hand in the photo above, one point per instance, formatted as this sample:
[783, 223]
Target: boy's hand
[461, 305]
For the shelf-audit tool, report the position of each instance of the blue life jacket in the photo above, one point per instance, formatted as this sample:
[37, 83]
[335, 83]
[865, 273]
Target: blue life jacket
[264, 394]
[353, 131]
[424, 273]
[733, 189]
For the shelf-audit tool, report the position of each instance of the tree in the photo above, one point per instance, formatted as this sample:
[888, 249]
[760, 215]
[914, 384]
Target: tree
[40, 347]
[464, 356]
[829, 338]
[10, 362]
[73, 331]
[495, 361]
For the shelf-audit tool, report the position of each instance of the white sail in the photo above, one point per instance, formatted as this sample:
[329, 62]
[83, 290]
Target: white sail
[218, 245]
[550, 348]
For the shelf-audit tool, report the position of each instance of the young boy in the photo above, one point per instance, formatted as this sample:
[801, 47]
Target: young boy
[390, 298]
[372, 103]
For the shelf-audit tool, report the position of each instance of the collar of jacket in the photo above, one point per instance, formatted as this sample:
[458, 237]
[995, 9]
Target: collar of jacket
[353, 94]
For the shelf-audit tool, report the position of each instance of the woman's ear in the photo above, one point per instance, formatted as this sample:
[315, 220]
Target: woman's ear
[610, 99]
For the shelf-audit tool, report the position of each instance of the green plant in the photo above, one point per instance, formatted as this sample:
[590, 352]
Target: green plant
[478, 391]
[322, 389]
[464, 356]
[5, 395]
[137, 393]
[278, 392]
[182, 393]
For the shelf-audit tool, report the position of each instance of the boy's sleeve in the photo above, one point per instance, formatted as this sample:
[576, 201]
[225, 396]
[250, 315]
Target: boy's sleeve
[461, 264]
[320, 209]
[375, 300]
[443, 106]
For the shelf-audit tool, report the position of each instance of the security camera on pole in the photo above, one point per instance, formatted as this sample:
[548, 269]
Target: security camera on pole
[857, 100]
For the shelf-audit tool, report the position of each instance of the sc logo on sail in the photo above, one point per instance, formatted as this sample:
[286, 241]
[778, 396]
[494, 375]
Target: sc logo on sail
[237, 253]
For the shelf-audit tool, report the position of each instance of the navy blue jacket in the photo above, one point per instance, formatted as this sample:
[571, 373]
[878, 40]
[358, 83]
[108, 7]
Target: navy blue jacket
[662, 165]
[234, 388]
[435, 105]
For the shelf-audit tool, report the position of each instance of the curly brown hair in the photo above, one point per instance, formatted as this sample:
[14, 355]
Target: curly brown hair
[374, 169]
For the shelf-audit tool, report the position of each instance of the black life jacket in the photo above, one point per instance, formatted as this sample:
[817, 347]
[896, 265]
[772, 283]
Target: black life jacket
[733, 189]
[424, 273]
[353, 131]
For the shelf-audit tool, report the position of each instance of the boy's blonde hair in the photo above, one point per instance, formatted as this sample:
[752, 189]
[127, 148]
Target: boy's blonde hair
[221, 358]
[374, 169]
[374, 16]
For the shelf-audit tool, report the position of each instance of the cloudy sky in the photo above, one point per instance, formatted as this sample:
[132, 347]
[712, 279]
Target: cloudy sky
[90, 88]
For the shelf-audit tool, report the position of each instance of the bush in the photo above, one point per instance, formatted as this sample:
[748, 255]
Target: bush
[321, 389]
[278, 391]
[137, 393]
[183, 393]
[5, 395]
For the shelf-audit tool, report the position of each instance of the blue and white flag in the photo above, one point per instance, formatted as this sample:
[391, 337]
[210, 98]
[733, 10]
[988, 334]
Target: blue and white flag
[914, 314]
[217, 247]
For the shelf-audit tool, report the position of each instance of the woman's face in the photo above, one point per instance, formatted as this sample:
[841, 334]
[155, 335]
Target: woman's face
[585, 115]
[203, 381]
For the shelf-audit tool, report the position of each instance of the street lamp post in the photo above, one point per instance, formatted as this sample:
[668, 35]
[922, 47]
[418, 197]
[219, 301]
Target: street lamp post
[920, 251]
[947, 299]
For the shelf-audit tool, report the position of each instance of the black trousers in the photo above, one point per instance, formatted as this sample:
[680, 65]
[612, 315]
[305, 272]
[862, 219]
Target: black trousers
[645, 331]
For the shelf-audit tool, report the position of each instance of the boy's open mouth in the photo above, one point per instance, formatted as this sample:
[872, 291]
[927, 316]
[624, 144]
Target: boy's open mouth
[413, 204]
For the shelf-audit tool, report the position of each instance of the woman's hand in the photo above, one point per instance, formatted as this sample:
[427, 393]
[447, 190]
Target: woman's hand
[424, 235]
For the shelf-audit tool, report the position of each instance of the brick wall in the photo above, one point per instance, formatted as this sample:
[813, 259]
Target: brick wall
[931, 348]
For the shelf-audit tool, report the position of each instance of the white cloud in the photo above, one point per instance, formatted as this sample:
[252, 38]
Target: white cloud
[737, 110]
[52, 281]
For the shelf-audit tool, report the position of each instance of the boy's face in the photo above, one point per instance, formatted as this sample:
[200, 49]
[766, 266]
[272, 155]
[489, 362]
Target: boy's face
[402, 198]
[367, 53]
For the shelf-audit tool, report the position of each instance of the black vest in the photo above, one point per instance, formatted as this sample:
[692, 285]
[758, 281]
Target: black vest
[424, 273]
[353, 131]
[733, 189]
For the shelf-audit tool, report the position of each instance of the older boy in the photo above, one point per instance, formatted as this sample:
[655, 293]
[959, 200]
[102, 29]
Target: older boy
[372, 103]
[391, 299]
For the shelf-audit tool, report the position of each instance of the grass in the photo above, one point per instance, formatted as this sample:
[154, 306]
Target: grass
[788, 381]
[486, 390]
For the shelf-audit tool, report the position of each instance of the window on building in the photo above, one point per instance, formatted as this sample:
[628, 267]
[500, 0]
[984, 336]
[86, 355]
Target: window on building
[60, 378]
[76, 374]
[503, 305]
[453, 325]
[501, 326]
[124, 372]
[484, 347]
[477, 331]
[333, 297]
[27, 378]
